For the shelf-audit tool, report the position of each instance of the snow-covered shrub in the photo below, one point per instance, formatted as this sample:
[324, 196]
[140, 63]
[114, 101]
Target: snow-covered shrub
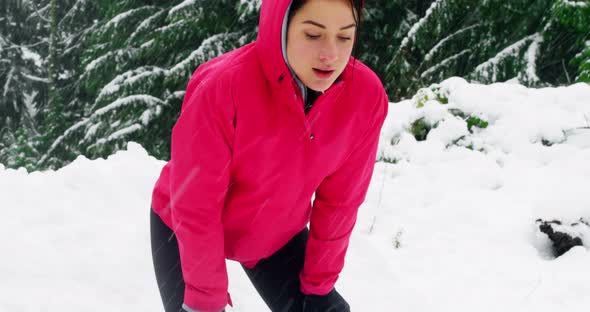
[565, 236]
[432, 108]
[490, 119]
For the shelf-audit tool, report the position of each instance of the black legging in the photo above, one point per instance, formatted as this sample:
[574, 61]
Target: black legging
[276, 278]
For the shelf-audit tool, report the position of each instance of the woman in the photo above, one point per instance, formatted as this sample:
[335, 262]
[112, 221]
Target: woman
[248, 152]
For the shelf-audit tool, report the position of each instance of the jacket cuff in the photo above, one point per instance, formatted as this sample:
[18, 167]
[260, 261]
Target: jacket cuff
[188, 309]
[201, 303]
[307, 287]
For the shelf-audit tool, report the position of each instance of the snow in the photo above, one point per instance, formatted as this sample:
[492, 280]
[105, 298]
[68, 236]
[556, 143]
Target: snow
[249, 6]
[137, 99]
[118, 18]
[412, 33]
[147, 44]
[446, 228]
[120, 133]
[441, 43]
[181, 6]
[144, 25]
[76, 8]
[209, 48]
[252, 4]
[171, 27]
[149, 114]
[29, 54]
[35, 78]
[445, 62]
[128, 78]
[91, 131]
[92, 65]
[531, 58]
[29, 103]
[146, 99]
[7, 83]
[580, 4]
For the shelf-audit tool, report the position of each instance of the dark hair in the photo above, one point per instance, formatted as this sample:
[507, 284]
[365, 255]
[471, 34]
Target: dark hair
[356, 5]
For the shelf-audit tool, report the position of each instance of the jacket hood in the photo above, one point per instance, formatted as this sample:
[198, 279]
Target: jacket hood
[271, 45]
[273, 14]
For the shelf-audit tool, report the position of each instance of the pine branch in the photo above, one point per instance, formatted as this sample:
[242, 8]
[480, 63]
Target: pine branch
[444, 62]
[416, 27]
[37, 11]
[7, 84]
[492, 63]
[71, 12]
[145, 99]
[530, 74]
[35, 78]
[435, 49]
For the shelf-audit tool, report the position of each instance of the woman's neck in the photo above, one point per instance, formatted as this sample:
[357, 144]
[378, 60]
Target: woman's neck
[312, 95]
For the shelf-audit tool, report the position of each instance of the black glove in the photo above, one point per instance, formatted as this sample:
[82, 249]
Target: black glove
[332, 302]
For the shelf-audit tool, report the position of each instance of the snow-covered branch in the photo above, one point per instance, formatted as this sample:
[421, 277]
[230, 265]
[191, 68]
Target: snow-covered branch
[530, 74]
[35, 78]
[142, 99]
[38, 11]
[437, 47]
[578, 4]
[412, 33]
[8, 80]
[72, 11]
[484, 69]
[444, 63]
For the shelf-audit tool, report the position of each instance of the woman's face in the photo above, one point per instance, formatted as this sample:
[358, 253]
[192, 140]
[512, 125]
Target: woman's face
[320, 36]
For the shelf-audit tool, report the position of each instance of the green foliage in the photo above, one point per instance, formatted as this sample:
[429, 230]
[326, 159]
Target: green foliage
[434, 92]
[23, 73]
[134, 69]
[420, 129]
[535, 42]
[472, 121]
[421, 126]
[438, 45]
[584, 64]
[573, 14]
[19, 149]
[389, 160]
[575, 17]
[477, 122]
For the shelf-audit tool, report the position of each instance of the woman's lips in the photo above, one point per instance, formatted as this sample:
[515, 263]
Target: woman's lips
[323, 74]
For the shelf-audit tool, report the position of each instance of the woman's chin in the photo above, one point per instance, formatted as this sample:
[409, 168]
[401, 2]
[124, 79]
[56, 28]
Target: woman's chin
[319, 86]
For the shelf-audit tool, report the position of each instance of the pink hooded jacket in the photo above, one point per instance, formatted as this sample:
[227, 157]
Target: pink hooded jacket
[246, 160]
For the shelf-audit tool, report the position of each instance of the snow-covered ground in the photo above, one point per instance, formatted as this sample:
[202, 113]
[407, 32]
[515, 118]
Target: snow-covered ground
[446, 228]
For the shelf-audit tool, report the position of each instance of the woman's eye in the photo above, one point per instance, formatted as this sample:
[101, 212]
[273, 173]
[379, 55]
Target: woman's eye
[344, 38]
[312, 36]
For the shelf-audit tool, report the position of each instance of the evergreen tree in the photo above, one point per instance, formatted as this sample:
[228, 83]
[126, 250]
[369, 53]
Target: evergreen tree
[134, 68]
[568, 52]
[85, 77]
[20, 64]
[22, 73]
[490, 41]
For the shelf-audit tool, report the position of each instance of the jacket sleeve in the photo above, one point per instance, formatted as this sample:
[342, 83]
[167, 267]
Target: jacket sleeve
[335, 208]
[201, 147]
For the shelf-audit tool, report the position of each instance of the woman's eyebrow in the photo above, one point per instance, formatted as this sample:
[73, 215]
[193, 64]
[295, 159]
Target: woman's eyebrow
[324, 27]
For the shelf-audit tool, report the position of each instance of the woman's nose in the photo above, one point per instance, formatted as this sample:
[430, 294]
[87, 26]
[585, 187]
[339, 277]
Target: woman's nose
[329, 53]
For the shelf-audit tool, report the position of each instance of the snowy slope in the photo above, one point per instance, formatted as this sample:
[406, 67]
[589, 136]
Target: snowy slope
[443, 229]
